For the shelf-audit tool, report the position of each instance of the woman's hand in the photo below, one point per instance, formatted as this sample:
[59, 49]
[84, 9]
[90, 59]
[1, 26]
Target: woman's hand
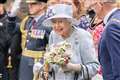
[71, 67]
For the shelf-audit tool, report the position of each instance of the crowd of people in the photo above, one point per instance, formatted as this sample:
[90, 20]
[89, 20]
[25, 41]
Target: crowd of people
[91, 27]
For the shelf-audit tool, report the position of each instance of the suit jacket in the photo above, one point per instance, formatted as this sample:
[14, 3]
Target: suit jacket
[109, 48]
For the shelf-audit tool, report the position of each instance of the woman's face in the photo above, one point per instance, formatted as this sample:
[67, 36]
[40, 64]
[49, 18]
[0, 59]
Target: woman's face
[62, 27]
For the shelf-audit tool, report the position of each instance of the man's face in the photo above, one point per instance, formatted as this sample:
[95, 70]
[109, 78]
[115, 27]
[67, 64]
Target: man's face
[61, 26]
[35, 8]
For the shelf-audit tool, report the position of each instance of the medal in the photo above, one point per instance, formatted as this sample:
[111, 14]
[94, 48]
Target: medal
[38, 33]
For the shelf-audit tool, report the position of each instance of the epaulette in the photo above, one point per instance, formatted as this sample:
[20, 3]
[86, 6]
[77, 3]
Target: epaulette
[24, 34]
[23, 23]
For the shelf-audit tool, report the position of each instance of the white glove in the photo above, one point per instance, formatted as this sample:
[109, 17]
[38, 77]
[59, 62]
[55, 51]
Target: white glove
[71, 67]
[15, 8]
[36, 67]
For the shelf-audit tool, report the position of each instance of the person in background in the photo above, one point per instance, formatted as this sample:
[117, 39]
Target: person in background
[15, 47]
[34, 38]
[23, 11]
[80, 14]
[97, 25]
[8, 28]
[118, 3]
[110, 40]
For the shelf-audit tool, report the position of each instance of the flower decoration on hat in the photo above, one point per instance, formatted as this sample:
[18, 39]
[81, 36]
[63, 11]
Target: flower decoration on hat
[50, 13]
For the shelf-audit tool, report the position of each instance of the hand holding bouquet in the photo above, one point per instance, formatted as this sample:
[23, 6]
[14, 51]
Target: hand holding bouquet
[58, 54]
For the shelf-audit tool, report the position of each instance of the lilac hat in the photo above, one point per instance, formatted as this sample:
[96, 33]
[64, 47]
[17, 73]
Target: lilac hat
[59, 11]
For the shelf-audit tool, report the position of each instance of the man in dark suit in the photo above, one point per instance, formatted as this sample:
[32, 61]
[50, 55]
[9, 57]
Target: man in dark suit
[109, 46]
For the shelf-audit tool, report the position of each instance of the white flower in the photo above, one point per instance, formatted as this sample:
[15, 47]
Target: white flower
[59, 53]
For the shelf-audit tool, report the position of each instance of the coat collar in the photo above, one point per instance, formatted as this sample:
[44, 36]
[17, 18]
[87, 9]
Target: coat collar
[108, 15]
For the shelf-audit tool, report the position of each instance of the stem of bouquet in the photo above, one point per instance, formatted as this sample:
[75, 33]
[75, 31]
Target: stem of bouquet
[46, 71]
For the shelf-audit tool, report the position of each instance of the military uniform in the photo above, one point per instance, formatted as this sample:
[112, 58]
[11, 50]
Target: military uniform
[34, 41]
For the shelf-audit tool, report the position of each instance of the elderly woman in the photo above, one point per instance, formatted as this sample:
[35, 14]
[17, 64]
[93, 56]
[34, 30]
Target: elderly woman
[83, 63]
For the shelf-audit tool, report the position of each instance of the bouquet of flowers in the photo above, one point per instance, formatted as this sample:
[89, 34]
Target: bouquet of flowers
[59, 53]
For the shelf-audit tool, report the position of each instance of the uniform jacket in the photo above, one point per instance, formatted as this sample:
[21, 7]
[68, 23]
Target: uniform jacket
[34, 41]
[109, 48]
[34, 38]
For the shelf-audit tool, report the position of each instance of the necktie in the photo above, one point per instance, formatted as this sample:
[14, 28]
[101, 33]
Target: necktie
[33, 24]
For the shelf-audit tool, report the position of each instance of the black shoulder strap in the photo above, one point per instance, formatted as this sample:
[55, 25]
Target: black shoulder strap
[76, 76]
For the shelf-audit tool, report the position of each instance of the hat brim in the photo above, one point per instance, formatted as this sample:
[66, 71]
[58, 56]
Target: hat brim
[48, 21]
[31, 2]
